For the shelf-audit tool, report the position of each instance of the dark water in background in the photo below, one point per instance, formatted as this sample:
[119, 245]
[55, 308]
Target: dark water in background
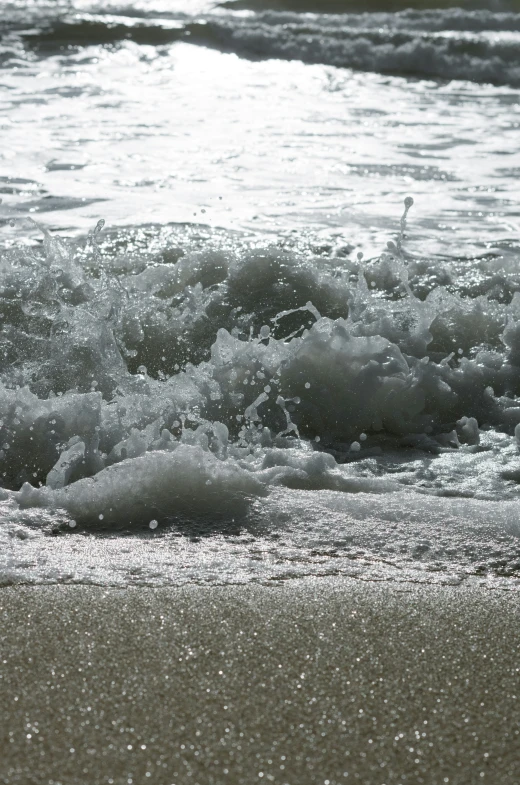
[259, 367]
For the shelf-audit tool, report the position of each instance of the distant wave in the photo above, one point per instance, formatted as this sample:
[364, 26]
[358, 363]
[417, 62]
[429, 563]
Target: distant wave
[454, 55]
[355, 6]
[454, 44]
[99, 31]
[454, 19]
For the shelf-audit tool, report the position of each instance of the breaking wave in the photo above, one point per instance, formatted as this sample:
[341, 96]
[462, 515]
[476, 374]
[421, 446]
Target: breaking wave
[477, 45]
[396, 48]
[169, 376]
[238, 353]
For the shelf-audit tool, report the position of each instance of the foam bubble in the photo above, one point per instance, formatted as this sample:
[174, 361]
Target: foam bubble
[153, 391]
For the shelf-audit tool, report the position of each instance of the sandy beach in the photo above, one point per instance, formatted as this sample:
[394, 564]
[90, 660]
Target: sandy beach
[315, 681]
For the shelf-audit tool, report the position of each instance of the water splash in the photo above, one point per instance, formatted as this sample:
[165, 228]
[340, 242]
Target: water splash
[110, 359]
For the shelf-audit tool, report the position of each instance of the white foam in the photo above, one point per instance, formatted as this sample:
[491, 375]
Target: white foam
[195, 391]
[187, 481]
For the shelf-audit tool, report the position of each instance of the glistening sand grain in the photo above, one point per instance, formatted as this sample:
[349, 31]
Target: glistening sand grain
[313, 681]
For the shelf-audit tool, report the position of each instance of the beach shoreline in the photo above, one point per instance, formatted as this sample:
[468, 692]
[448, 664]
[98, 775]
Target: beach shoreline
[327, 680]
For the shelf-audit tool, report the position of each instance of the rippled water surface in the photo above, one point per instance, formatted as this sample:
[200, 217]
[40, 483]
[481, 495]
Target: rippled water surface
[229, 351]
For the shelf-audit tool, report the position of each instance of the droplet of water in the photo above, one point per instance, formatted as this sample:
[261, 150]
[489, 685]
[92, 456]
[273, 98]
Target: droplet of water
[153, 524]
[408, 202]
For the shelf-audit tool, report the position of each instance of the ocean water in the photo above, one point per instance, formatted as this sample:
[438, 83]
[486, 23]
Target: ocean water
[259, 292]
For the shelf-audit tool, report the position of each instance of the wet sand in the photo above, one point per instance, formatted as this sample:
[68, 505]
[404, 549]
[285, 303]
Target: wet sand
[315, 681]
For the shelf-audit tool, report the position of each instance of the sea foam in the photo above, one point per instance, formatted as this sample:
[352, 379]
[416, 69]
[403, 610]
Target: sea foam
[125, 378]
[341, 414]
